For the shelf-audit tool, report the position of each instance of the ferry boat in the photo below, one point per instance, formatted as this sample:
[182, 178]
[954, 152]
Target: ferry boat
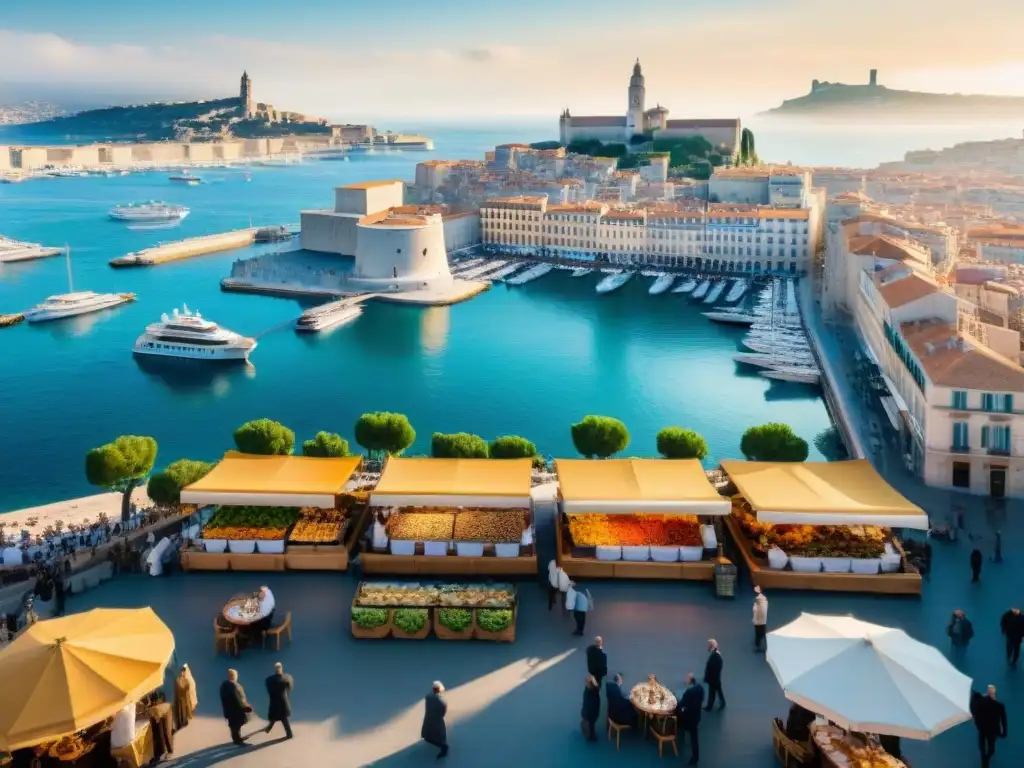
[731, 318]
[662, 284]
[614, 281]
[188, 335]
[73, 304]
[154, 210]
[327, 316]
[14, 250]
[715, 292]
[702, 290]
[686, 287]
[736, 292]
[582, 272]
[537, 270]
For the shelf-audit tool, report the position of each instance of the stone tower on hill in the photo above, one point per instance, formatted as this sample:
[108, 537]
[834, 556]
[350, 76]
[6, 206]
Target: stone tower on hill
[245, 95]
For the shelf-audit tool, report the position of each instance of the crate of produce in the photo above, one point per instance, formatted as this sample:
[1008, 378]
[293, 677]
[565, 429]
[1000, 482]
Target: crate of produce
[453, 623]
[410, 623]
[371, 622]
[318, 526]
[495, 624]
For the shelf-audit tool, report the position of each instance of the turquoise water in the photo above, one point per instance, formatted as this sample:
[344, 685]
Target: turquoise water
[528, 360]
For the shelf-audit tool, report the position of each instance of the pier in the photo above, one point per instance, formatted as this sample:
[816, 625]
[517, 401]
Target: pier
[187, 249]
[9, 320]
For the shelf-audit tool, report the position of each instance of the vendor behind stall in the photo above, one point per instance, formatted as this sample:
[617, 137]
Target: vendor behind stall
[266, 598]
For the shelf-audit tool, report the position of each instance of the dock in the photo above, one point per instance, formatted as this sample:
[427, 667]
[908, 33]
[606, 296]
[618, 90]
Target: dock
[9, 320]
[187, 249]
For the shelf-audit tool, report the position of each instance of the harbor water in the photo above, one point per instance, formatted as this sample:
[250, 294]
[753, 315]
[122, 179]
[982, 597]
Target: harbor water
[526, 360]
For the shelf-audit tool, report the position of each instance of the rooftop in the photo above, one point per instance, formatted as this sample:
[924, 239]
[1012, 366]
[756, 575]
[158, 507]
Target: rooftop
[371, 184]
[952, 360]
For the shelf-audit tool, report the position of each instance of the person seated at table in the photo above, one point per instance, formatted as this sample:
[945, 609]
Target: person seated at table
[266, 600]
[798, 723]
[122, 730]
[620, 708]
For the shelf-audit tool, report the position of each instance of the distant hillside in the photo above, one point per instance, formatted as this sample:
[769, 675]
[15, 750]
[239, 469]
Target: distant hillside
[849, 102]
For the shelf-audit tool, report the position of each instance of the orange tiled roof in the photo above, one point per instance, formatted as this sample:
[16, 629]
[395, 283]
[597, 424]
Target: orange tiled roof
[962, 365]
[906, 289]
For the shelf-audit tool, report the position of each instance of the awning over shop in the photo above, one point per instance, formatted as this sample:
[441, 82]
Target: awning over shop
[655, 486]
[272, 481]
[823, 493]
[454, 483]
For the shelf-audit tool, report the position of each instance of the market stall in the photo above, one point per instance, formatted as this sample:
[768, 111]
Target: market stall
[822, 526]
[637, 518]
[452, 517]
[451, 611]
[275, 513]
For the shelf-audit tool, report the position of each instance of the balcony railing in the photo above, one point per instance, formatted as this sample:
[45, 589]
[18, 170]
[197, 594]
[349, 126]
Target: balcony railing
[998, 451]
[959, 448]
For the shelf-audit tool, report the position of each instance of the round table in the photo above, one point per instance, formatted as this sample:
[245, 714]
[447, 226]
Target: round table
[232, 613]
[664, 701]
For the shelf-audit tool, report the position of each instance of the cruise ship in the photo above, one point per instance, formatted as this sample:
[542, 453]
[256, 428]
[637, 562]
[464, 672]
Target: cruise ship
[188, 335]
[73, 304]
[154, 210]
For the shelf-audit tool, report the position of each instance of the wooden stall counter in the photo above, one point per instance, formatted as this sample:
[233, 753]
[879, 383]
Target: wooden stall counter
[448, 565]
[316, 558]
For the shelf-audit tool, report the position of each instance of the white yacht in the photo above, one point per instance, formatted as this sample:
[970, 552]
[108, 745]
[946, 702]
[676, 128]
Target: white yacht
[154, 210]
[731, 318]
[614, 281]
[702, 290]
[736, 292]
[662, 284]
[327, 316]
[14, 250]
[685, 287]
[188, 335]
[74, 303]
[715, 292]
[782, 360]
[505, 272]
[798, 375]
[537, 270]
[769, 347]
[582, 272]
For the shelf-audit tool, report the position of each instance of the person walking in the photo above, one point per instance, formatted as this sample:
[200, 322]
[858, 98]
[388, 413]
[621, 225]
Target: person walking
[990, 720]
[1012, 627]
[960, 630]
[434, 730]
[185, 698]
[597, 661]
[760, 617]
[688, 712]
[591, 708]
[713, 676]
[975, 565]
[279, 691]
[558, 583]
[580, 603]
[234, 706]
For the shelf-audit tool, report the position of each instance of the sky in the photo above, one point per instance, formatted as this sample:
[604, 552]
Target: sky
[353, 60]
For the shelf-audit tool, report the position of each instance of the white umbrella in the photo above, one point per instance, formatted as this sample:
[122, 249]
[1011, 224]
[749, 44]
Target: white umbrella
[868, 678]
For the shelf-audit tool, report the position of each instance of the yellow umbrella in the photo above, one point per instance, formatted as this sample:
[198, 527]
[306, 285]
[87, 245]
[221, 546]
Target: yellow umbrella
[66, 674]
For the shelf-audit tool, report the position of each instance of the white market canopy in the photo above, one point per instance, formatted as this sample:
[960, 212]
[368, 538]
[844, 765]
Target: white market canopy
[494, 483]
[868, 678]
[241, 479]
[823, 493]
[652, 486]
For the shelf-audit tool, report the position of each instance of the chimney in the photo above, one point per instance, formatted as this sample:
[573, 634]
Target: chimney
[873, 80]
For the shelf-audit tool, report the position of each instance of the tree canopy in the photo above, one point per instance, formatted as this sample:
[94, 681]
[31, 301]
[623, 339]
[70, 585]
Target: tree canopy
[747, 150]
[680, 443]
[600, 436]
[545, 145]
[382, 433]
[458, 445]
[512, 447]
[165, 487]
[596, 148]
[325, 445]
[773, 442]
[265, 437]
[121, 465]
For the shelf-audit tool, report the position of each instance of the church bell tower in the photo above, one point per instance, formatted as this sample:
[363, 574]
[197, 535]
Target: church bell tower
[635, 110]
[245, 95]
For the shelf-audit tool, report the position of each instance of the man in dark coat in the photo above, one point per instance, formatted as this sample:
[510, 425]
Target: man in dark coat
[597, 661]
[713, 676]
[236, 709]
[1012, 626]
[976, 565]
[990, 720]
[434, 731]
[688, 712]
[279, 689]
[591, 708]
[620, 709]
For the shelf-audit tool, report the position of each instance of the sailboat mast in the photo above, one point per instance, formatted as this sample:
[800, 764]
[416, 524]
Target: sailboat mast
[67, 259]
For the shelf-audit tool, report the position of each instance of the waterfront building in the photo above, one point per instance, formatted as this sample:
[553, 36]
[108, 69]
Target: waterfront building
[639, 121]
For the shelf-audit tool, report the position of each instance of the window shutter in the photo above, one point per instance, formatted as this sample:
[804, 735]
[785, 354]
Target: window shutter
[984, 437]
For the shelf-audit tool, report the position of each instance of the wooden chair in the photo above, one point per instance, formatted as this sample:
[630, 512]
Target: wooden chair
[665, 734]
[618, 728]
[226, 637]
[285, 627]
[788, 751]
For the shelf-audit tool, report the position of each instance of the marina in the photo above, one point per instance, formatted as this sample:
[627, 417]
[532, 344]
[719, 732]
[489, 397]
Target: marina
[187, 249]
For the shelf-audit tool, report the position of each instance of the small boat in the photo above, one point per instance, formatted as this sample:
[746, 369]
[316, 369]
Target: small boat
[537, 270]
[760, 360]
[795, 375]
[614, 281]
[72, 303]
[731, 318]
[481, 270]
[582, 272]
[702, 290]
[327, 316]
[736, 292]
[154, 210]
[715, 292]
[685, 287]
[458, 267]
[768, 347]
[662, 284]
[506, 271]
[186, 178]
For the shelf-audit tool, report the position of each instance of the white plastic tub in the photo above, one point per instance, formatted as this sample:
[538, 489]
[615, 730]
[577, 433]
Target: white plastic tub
[805, 564]
[216, 546]
[691, 554]
[708, 537]
[242, 547]
[403, 547]
[890, 563]
[777, 559]
[608, 553]
[636, 554]
[469, 548]
[436, 548]
[836, 564]
[271, 547]
[506, 550]
[867, 565]
[665, 554]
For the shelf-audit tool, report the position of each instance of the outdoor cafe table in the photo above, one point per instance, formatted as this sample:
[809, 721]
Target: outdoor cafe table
[825, 738]
[663, 704]
[234, 615]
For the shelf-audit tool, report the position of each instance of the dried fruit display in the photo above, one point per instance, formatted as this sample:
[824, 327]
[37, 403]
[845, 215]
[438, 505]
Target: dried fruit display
[310, 532]
[860, 541]
[421, 526]
[427, 595]
[240, 533]
[593, 530]
[321, 515]
[503, 526]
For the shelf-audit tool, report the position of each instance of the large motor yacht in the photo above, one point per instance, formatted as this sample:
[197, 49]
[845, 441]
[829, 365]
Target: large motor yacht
[72, 304]
[154, 210]
[187, 334]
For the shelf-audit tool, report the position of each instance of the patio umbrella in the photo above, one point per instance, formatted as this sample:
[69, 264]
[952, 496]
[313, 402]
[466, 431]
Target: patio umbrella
[66, 674]
[868, 678]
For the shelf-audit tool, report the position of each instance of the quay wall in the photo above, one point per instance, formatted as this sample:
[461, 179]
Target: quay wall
[185, 249]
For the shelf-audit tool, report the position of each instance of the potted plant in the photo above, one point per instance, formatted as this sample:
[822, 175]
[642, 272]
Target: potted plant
[453, 623]
[410, 623]
[372, 623]
[495, 624]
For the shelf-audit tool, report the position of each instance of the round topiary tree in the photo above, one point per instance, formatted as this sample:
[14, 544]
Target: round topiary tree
[512, 447]
[600, 436]
[459, 445]
[773, 442]
[679, 443]
[120, 466]
[325, 445]
[165, 487]
[265, 437]
[384, 434]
